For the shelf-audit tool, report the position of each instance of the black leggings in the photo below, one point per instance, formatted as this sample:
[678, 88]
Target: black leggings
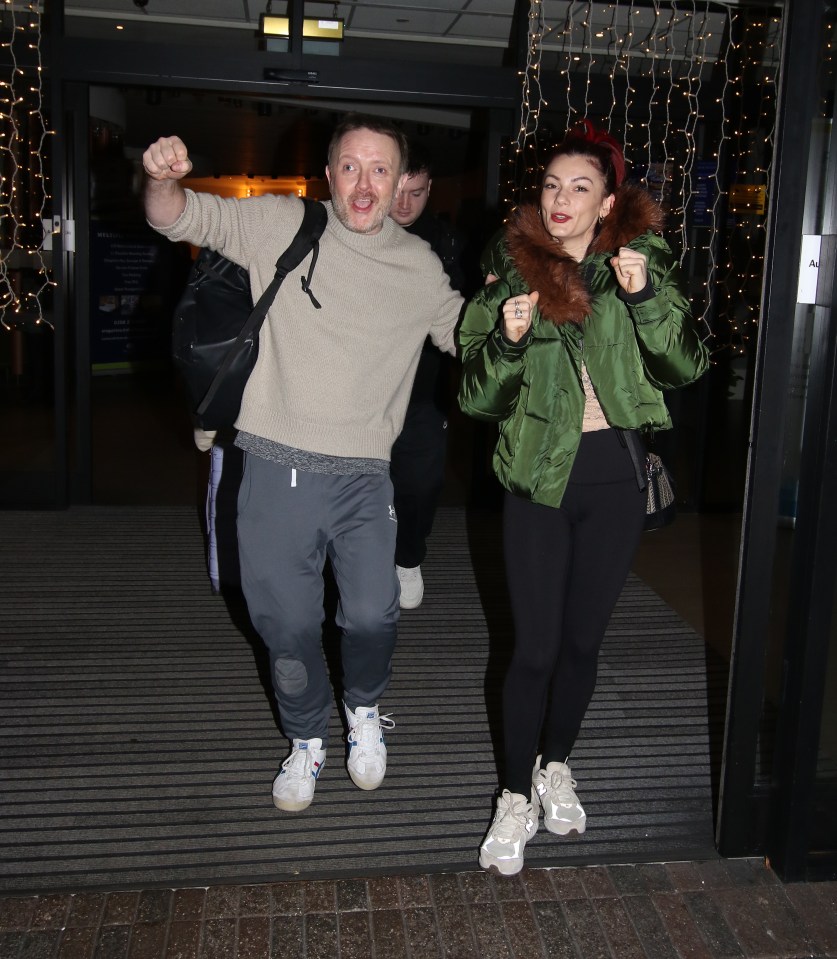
[565, 569]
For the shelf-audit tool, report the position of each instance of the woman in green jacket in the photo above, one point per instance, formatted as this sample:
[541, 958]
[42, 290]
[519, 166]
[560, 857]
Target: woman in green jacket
[582, 323]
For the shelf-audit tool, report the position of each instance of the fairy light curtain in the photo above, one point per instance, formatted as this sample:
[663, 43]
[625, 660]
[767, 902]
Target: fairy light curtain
[25, 203]
[689, 87]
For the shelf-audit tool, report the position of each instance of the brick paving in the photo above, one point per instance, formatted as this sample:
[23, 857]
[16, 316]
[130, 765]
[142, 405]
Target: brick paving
[718, 909]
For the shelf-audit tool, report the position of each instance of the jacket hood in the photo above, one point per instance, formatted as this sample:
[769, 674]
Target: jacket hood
[540, 261]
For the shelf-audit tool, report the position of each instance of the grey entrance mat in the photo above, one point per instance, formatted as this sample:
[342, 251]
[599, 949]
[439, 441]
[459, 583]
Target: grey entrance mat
[138, 743]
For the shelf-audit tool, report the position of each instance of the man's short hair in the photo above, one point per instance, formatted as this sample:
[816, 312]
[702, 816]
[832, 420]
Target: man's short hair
[418, 160]
[363, 121]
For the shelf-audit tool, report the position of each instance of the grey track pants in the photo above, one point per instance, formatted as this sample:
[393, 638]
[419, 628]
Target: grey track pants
[289, 521]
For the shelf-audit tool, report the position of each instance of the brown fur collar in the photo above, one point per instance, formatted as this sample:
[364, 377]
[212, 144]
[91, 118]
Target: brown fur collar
[564, 297]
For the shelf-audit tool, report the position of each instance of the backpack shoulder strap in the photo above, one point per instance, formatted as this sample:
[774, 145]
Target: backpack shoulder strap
[314, 221]
[307, 237]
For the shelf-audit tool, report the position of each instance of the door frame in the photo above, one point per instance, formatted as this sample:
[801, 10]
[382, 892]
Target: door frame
[758, 817]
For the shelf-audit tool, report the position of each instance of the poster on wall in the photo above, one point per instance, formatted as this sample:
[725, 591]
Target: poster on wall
[705, 192]
[748, 198]
[136, 277]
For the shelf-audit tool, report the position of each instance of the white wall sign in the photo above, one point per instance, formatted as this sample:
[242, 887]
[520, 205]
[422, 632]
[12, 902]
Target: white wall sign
[809, 269]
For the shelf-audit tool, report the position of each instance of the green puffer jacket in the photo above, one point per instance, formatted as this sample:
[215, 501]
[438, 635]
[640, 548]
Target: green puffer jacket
[633, 345]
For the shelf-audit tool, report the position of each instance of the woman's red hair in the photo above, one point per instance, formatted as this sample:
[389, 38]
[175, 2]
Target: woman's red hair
[588, 132]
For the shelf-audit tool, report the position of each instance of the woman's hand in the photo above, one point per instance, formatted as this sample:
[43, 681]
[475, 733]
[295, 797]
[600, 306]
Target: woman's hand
[631, 269]
[517, 315]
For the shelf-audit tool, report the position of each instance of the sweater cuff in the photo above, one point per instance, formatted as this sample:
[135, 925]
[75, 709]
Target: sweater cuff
[511, 344]
[174, 231]
[646, 293]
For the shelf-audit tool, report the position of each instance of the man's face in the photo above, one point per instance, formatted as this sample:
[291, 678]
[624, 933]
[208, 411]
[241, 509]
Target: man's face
[364, 180]
[411, 201]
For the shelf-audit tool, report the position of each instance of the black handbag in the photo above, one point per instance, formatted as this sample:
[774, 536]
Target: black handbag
[661, 507]
[215, 330]
[654, 478]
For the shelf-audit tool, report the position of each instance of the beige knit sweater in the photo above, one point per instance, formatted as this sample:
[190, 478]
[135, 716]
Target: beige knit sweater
[336, 380]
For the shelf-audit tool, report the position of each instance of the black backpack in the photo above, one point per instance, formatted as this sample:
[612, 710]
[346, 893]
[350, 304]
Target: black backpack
[215, 331]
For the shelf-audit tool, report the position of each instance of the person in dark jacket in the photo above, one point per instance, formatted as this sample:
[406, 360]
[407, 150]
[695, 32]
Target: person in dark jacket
[583, 322]
[417, 465]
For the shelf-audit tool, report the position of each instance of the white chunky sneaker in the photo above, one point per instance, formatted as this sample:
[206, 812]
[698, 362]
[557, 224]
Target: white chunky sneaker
[412, 586]
[293, 788]
[367, 761]
[514, 824]
[562, 812]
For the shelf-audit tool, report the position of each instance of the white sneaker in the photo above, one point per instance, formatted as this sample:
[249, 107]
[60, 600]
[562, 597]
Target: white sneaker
[367, 762]
[514, 824]
[562, 812]
[293, 788]
[412, 586]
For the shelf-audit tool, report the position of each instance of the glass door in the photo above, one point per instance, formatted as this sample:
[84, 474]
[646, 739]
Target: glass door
[33, 253]
[802, 836]
[780, 773]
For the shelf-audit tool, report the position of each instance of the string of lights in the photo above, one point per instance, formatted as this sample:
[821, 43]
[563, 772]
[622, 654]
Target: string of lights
[692, 96]
[652, 98]
[693, 91]
[25, 201]
[532, 101]
[613, 45]
[718, 204]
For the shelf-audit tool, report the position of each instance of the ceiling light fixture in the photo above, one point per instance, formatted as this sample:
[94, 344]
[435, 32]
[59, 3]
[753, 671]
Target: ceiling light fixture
[312, 28]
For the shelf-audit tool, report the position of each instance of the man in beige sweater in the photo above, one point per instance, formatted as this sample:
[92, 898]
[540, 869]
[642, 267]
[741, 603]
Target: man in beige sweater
[320, 412]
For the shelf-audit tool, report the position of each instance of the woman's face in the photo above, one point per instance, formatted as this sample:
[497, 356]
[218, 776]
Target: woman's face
[572, 200]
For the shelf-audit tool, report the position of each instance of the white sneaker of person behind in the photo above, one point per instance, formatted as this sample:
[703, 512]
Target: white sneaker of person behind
[514, 824]
[554, 787]
[293, 788]
[367, 759]
[412, 586]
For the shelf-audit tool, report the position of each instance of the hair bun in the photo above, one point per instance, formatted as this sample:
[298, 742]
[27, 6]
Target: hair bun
[590, 133]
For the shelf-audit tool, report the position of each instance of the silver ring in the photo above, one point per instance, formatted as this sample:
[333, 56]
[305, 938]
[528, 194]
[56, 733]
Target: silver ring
[518, 313]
